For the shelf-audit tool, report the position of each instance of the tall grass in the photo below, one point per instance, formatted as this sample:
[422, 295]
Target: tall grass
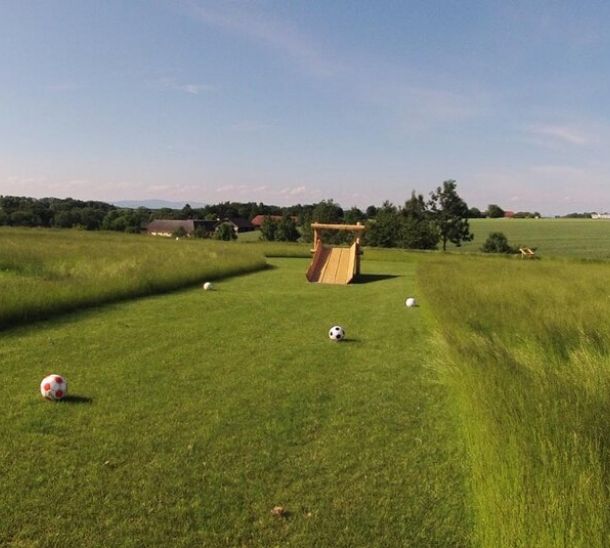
[524, 348]
[44, 272]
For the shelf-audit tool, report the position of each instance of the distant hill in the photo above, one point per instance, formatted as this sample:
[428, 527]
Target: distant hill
[155, 204]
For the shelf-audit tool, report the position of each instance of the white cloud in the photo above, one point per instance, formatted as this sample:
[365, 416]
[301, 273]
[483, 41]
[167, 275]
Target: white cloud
[559, 171]
[558, 133]
[189, 88]
[411, 99]
[266, 29]
[293, 191]
[195, 89]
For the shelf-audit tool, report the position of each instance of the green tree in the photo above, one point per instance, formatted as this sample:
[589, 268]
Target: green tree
[353, 216]
[226, 232]
[494, 211]
[287, 230]
[326, 211]
[417, 231]
[269, 229]
[180, 233]
[186, 212]
[385, 231]
[449, 214]
[497, 242]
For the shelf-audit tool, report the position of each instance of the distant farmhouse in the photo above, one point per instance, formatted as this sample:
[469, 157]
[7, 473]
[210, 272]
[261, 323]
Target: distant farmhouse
[238, 224]
[260, 219]
[168, 227]
[600, 215]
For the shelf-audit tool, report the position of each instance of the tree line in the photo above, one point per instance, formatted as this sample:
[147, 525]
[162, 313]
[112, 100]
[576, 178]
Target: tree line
[419, 223]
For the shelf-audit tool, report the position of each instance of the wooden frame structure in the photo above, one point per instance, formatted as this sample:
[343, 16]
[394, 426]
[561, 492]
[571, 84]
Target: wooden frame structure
[527, 253]
[335, 265]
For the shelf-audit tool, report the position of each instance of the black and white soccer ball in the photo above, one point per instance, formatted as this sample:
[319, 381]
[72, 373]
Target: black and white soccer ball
[336, 333]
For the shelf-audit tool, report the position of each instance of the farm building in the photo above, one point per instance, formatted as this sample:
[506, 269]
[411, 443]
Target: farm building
[168, 227]
[600, 215]
[239, 225]
[258, 221]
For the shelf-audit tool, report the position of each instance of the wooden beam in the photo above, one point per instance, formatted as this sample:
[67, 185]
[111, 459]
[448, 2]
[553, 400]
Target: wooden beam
[347, 228]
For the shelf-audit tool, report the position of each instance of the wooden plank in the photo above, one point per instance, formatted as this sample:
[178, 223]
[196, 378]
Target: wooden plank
[352, 228]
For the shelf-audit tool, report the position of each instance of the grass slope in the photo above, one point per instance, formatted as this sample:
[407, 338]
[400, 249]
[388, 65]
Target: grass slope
[198, 412]
[45, 272]
[524, 350]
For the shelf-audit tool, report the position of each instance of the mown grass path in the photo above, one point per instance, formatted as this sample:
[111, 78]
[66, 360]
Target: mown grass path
[198, 412]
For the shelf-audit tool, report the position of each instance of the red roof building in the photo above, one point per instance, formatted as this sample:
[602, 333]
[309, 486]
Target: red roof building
[259, 219]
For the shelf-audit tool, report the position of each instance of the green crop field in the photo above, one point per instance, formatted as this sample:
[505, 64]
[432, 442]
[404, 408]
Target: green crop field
[578, 238]
[582, 238]
[479, 418]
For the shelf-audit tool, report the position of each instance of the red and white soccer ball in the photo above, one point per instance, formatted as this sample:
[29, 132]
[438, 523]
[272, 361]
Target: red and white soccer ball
[54, 387]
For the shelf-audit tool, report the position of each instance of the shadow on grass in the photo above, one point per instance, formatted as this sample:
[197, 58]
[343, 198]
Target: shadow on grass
[369, 278]
[77, 399]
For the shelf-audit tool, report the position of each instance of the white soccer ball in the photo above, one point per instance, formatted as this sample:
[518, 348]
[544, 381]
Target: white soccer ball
[410, 302]
[207, 286]
[336, 333]
[54, 387]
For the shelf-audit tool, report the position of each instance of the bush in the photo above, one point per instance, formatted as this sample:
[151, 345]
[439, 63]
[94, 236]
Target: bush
[225, 232]
[497, 243]
[180, 233]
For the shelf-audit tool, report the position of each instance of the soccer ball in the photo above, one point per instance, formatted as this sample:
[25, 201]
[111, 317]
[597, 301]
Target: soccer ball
[207, 285]
[336, 333]
[410, 302]
[54, 387]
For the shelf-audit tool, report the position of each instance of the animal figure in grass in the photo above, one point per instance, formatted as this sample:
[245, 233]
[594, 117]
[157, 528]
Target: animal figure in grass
[54, 387]
[207, 286]
[336, 333]
[410, 302]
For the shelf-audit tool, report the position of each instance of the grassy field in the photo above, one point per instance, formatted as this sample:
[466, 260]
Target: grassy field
[581, 238]
[576, 238]
[45, 272]
[524, 350]
[479, 418]
[198, 412]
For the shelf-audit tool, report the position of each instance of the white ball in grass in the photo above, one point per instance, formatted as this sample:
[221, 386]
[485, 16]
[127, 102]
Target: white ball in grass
[410, 302]
[336, 333]
[207, 286]
[54, 387]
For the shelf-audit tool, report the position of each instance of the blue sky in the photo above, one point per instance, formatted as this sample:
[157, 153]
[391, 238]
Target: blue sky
[287, 102]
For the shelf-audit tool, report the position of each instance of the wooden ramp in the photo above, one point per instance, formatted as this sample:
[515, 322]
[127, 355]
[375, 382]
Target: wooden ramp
[334, 265]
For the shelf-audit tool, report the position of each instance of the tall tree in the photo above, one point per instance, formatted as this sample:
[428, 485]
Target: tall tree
[450, 215]
[417, 230]
[494, 211]
[287, 230]
[385, 231]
